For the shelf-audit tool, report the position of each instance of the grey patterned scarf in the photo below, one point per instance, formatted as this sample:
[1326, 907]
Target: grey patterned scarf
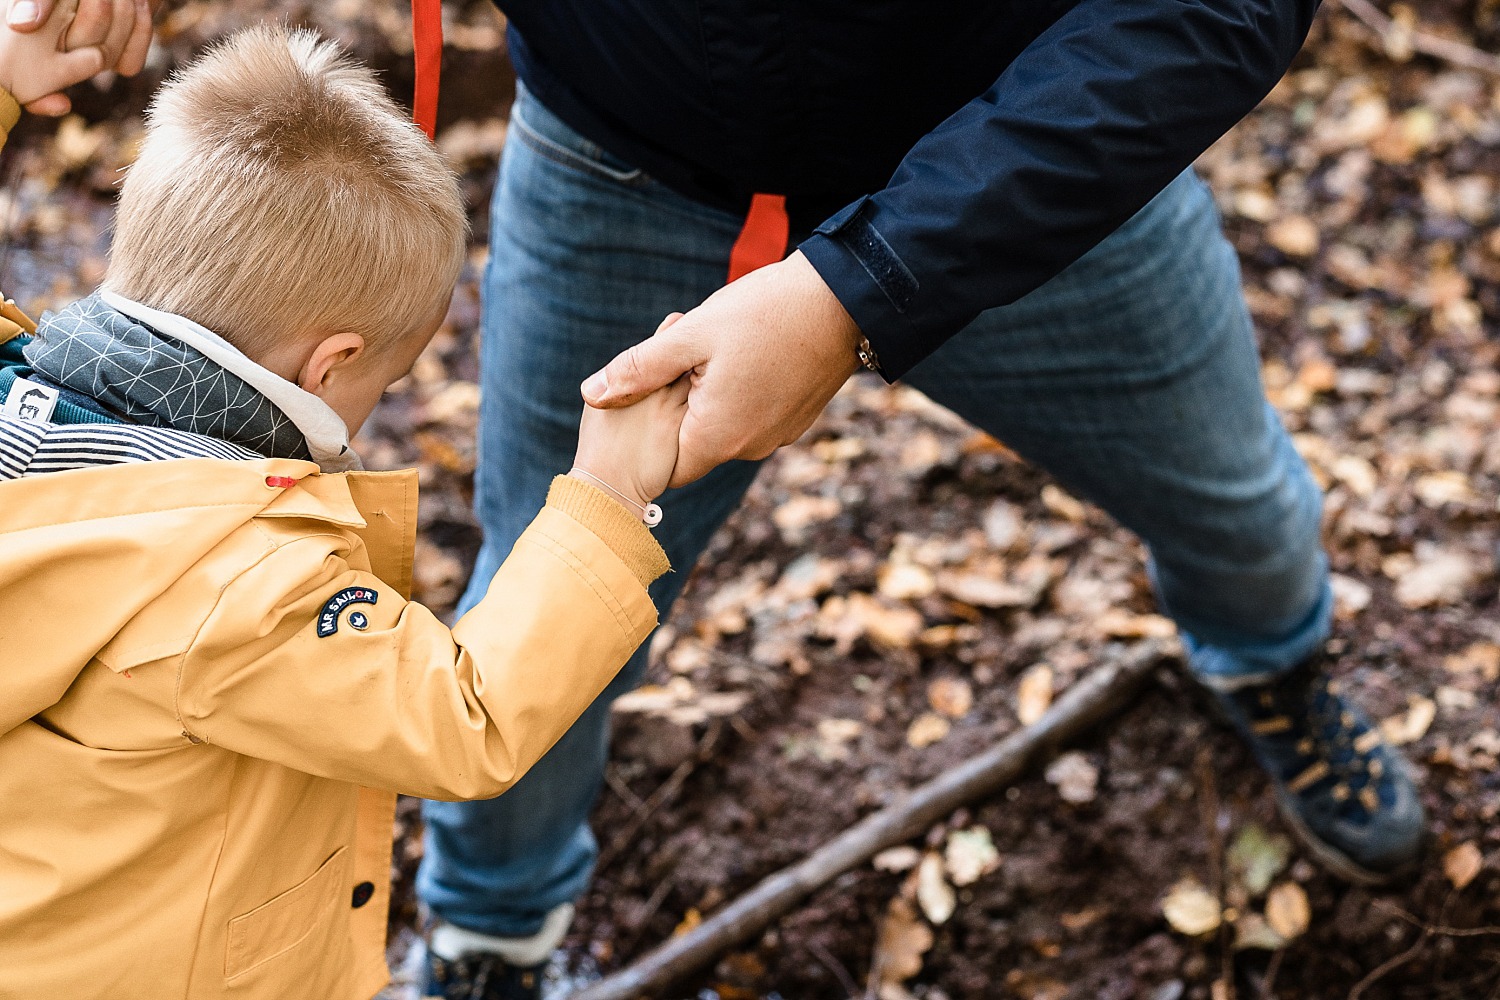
[94, 349]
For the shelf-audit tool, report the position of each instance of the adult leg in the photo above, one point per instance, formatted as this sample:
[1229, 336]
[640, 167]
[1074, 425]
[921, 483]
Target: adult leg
[586, 257]
[1133, 377]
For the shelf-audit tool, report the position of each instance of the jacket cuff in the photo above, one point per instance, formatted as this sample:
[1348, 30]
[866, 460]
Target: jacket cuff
[10, 113]
[606, 517]
[872, 282]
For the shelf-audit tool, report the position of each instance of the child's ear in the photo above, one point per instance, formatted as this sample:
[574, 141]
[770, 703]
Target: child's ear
[328, 360]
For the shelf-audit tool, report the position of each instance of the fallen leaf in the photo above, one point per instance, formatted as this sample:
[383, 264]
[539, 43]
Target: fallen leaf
[834, 736]
[970, 855]
[1074, 776]
[926, 730]
[902, 858]
[1295, 236]
[1350, 596]
[901, 943]
[1082, 918]
[1410, 725]
[986, 592]
[1482, 658]
[934, 895]
[1256, 857]
[950, 696]
[1064, 506]
[1002, 525]
[1439, 576]
[1118, 624]
[904, 582]
[1287, 910]
[1462, 864]
[1034, 694]
[690, 920]
[1441, 488]
[1252, 930]
[1191, 909]
[797, 515]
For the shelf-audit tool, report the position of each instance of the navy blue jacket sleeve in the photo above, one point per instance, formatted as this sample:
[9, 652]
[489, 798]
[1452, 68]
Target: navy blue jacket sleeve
[1086, 126]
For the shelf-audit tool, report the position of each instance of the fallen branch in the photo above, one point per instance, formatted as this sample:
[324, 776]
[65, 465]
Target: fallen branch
[1097, 696]
[1396, 37]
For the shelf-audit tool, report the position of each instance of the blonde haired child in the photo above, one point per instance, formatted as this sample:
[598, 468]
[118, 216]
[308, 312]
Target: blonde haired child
[215, 681]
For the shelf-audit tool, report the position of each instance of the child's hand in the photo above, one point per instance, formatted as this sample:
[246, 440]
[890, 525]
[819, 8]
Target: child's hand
[35, 65]
[633, 450]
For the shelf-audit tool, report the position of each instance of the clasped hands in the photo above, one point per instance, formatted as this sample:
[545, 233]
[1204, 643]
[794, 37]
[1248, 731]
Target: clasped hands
[53, 44]
[749, 370]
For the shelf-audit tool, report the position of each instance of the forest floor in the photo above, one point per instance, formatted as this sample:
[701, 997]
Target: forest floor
[899, 591]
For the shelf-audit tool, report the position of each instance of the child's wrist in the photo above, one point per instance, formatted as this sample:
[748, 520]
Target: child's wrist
[623, 490]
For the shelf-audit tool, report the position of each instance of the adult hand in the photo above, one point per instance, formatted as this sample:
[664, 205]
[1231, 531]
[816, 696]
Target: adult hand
[121, 29]
[765, 354]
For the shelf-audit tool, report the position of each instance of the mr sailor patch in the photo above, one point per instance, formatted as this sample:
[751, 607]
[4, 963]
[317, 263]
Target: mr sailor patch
[328, 618]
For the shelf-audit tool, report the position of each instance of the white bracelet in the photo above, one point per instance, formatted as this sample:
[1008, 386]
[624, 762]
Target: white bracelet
[651, 513]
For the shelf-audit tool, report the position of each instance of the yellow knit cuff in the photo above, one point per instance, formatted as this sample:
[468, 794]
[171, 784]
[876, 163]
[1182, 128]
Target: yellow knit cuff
[10, 113]
[606, 517]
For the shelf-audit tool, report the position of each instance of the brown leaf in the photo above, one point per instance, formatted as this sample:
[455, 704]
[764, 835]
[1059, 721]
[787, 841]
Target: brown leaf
[1438, 576]
[1074, 776]
[950, 696]
[897, 859]
[1064, 506]
[1482, 658]
[1119, 624]
[902, 942]
[934, 894]
[1462, 864]
[1034, 694]
[1191, 909]
[970, 855]
[1287, 910]
[1411, 725]
[926, 730]
[1295, 236]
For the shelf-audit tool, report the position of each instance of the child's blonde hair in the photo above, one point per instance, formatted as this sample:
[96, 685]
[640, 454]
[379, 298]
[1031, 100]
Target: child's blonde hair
[280, 190]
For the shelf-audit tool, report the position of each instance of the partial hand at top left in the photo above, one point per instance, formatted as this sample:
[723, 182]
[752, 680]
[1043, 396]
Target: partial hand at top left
[53, 44]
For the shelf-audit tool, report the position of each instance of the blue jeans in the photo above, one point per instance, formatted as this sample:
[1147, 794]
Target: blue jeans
[1132, 377]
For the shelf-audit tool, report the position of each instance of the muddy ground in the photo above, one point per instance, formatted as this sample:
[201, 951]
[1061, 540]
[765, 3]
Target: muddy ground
[899, 591]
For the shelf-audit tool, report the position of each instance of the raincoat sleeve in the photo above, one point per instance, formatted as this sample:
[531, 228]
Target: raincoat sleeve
[1085, 126]
[10, 113]
[314, 664]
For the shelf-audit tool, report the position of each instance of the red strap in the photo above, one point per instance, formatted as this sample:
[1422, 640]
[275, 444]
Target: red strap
[763, 240]
[427, 44]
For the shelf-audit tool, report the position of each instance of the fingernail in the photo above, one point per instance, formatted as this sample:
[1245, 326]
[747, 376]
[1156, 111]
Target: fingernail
[595, 386]
[21, 12]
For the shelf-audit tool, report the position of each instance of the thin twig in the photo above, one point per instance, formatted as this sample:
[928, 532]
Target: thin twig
[1209, 810]
[1394, 37]
[664, 792]
[1433, 929]
[1268, 981]
[649, 910]
[1388, 966]
[618, 786]
[1391, 964]
[833, 965]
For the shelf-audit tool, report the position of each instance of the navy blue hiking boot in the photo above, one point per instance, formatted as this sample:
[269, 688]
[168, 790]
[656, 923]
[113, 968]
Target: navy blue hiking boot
[1346, 793]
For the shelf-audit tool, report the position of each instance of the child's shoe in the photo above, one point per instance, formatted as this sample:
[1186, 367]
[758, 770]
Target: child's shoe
[1345, 791]
[467, 965]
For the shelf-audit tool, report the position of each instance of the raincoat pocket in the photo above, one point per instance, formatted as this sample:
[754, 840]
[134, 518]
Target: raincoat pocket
[278, 926]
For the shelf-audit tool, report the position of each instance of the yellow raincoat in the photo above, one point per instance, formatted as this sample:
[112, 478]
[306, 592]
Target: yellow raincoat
[212, 684]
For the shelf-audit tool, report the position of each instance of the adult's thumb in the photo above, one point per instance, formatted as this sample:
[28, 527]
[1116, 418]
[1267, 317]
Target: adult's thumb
[636, 373]
[27, 15]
